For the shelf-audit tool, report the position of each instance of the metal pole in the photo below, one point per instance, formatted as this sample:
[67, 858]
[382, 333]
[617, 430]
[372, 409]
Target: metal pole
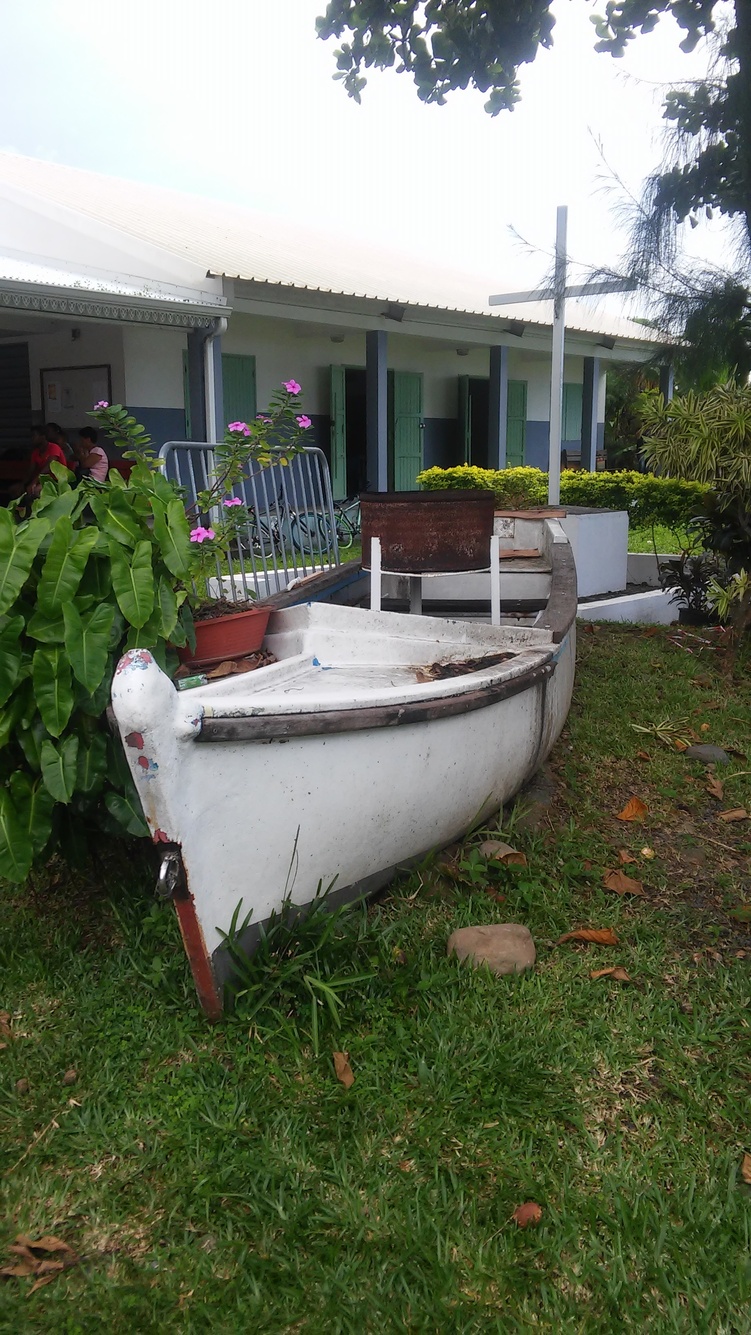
[556, 370]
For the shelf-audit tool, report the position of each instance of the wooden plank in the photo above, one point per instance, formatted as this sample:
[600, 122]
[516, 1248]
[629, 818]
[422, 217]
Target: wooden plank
[279, 727]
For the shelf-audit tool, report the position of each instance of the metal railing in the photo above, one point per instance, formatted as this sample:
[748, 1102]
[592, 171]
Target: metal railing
[291, 526]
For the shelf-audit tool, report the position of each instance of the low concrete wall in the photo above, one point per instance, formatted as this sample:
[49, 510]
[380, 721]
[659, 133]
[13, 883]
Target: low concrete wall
[599, 541]
[644, 567]
[653, 608]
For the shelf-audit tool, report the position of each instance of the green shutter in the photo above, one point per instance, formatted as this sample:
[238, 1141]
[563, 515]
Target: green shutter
[186, 393]
[338, 414]
[464, 419]
[516, 423]
[572, 413]
[239, 389]
[406, 428]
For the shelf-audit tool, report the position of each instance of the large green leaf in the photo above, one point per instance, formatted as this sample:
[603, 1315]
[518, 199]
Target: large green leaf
[116, 516]
[11, 719]
[172, 532]
[59, 501]
[128, 813]
[29, 736]
[11, 657]
[60, 768]
[95, 704]
[92, 764]
[52, 687]
[87, 642]
[65, 563]
[133, 582]
[19, 544]
[96, 582]
[34, 807]
[16, 852]
[47, 627]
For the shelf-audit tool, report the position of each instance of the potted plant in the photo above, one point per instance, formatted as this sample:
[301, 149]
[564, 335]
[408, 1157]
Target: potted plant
[223, 627]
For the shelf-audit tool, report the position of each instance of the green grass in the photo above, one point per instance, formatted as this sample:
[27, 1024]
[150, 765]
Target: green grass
[221, 1179]
[665, 539]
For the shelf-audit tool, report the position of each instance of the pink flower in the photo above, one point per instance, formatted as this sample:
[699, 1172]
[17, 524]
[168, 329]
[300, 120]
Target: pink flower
[291, 386]
[304, 421]
[229, 501]
[201, 534]
[261, 418]
[102, 404]
[239, 426]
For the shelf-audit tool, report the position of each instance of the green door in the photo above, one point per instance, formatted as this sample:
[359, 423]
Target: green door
[406, 428]
[338, 414]
[572, 413]
[239, 385]
[464, 419]
[516, 423]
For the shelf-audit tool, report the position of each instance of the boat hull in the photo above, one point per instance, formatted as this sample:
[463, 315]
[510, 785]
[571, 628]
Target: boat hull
[260, 821]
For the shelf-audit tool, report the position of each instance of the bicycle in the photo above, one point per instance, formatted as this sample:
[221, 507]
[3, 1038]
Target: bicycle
[348, 522]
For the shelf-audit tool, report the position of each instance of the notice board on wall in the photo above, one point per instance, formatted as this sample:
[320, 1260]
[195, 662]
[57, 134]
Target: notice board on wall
[70, 392]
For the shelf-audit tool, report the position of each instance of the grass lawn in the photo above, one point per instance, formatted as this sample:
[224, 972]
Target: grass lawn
[221, 1179]
[665, 539]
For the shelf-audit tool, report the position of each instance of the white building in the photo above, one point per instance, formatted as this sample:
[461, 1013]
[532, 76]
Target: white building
[191, 312]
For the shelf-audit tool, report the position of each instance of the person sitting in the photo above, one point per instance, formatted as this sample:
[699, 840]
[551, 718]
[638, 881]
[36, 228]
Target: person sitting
[92, 460]
[44, 451]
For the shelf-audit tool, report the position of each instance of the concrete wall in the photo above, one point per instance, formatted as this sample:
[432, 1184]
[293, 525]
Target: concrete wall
[154, 385]
[96, 344]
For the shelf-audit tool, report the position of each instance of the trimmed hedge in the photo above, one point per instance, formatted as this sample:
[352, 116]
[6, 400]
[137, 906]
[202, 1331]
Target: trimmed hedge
[647, 498]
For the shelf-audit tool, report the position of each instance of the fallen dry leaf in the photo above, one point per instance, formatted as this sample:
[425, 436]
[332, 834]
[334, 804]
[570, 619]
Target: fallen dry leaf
[647, 853]
[715, 787]
[343, 1069]
[70, 1076]
[738, 813]
[643, 755]
[33, 1263]
[746, 1169]
[48, 1243]
[679, 744]
[598, 936]
[621, 884]
[617, 973]
[527, 1215]
[22, 1086]
[704, 727]
[500, 852]
[422, 676]
[495, 894]
[624, 856]
[634, 809]
[5, 1024]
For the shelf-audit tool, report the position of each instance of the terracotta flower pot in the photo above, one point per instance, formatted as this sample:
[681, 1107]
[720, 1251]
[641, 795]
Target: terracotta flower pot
[227, 637]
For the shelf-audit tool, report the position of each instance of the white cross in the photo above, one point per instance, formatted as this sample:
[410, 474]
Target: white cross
[558, 294]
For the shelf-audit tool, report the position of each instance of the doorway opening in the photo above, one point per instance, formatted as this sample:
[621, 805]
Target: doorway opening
[354, 416]
[478, 404]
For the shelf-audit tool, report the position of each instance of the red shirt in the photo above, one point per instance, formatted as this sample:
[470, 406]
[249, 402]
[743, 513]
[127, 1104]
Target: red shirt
[41, 459]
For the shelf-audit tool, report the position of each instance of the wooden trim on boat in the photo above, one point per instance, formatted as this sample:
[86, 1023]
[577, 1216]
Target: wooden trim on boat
[270, 727]
[316, 586]
[560, 612]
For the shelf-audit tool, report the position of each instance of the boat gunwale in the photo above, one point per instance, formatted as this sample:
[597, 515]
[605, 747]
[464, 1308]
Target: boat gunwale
[271, 727]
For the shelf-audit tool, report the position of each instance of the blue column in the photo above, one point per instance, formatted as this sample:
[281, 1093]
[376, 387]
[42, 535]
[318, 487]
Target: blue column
[196, 384]
[590, 396]
[667, 387]
[220, 423]
[497, 407]
[376, 409]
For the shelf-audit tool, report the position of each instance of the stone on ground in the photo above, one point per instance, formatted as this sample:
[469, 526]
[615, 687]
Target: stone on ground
[711, 755]
[504, 947]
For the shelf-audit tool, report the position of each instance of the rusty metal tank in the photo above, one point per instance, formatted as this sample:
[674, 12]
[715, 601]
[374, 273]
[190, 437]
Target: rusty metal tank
[428, 531]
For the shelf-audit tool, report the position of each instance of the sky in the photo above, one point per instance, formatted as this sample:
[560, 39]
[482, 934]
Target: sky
[235, 99]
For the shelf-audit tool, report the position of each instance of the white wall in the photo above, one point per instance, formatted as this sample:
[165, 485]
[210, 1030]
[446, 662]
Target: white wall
[281, 352]
[97, 344]
[154, 366]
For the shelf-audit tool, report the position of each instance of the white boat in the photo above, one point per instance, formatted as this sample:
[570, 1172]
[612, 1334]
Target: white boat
[349, 756]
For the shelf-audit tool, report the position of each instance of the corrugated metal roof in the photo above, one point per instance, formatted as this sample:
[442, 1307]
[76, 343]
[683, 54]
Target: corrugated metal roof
[14, 270]
[241, 243]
